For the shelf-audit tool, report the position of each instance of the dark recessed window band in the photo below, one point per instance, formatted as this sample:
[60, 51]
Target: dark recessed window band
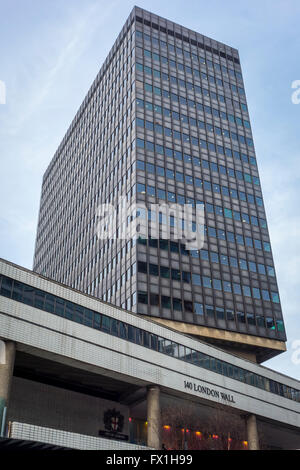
[186, 39]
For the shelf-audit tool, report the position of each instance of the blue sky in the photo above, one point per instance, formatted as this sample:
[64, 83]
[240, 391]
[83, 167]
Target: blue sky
[51, 51]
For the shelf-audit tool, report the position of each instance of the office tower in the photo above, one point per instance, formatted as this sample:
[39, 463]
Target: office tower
[166, 121]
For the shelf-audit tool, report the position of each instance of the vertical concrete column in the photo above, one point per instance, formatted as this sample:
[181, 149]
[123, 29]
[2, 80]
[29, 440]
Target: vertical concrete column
[252, 434]
[153, 417]
[7, 362]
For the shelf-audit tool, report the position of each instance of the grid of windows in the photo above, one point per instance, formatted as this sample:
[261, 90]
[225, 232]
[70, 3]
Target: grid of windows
[175, 274]
[165, 120]
[50, 303]
[194, 146]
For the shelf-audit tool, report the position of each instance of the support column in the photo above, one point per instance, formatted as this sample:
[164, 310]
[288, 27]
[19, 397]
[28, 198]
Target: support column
[252, 433]
[7, 362]
[153, 417]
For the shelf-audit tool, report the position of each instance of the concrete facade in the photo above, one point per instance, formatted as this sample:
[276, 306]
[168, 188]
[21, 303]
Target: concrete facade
[40, 403]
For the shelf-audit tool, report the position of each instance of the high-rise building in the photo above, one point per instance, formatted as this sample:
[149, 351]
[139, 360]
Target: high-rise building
[166, 121]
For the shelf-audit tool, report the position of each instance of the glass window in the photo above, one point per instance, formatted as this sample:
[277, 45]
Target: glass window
[247, 291]
[140, 165]
[256, 293]
[240, 239]
[140, 143]
[60, 307]
[131, 333]
[154, 299]
[224, 260]
[206, 282]
[196, 279]
[207, 186]
[249, 241]
[177, 304]
[151, 191]
[257, 244]
[237, 289]
[123, 330]
[250, 319]
[241, 317]
[171, 197]
[186, 276]
[50, 302]
[170, 174]
[188, 305]
[217, 284]
[209, 310]
[97, 322]
[165, 301]
[161, 194]
[165, 272]
[275, 297]
[198, 308]
[39, 298]
[227, 212]
[250, 198]
[179, 176]
[88, 317]
[220, 313]
[174, 247]
[153, 269]
[221, 234]
[141, 188]
[17, 291]
[230, 315]
[270, 323]
[142, 267]
[226, 286]
[142, 297]
[175, 273]
[252, 266]
[280, 326]
[236, 215]
[214, 257]
[271, 271]
[105, 323]
[6, 286]
[150, 168]
[204, 254]
[265, 295]
[139, 336]
[261, 269]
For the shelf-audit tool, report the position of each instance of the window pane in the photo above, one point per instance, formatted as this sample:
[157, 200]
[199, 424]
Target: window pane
[49, 304]
[17, 291]
[198, 308]
[6, 287]
[59, 307]
[39, 299]
[105, 324]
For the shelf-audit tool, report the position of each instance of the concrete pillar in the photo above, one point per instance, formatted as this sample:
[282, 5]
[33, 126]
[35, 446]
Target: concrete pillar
[252, 434]
[6, 372]
[153, 417]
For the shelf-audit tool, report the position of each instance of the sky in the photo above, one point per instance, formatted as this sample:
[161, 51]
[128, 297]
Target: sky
[51, 51]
